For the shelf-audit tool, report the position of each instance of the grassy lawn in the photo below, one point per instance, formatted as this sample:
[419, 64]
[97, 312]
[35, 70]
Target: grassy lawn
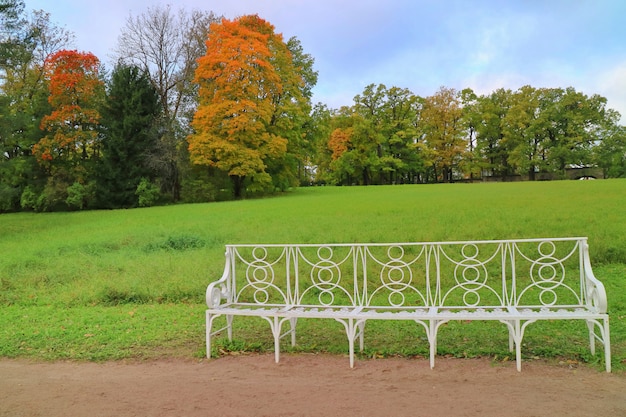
[130, 283]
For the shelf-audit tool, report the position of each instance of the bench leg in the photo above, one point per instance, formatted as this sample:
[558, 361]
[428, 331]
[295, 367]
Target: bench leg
[209, 323]
[229, 324]
[516, 333]
[361, 335]
[592, 336]
[604, 337]
[276, 332]
[519, 335]
[275, 326]
[518, 345]
[209, 331]
[607, 345]
[293, 321]
[351, 332]
[432, 340]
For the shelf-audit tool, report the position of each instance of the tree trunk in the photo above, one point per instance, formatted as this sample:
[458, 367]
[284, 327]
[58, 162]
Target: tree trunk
[237, 186]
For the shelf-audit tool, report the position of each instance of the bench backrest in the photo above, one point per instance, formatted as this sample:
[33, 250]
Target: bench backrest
[491, 274]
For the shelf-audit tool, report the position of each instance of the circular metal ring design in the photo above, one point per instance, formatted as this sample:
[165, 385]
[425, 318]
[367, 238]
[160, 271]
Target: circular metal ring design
[397, 257]
[328, 271]
[471, 247]
[473, 273]
[328, 256]
[326, 297]
[546, 274]
[550, 276]
[259, 257]
[395, 274]
[259, 274]
[467, 298]
[396, 294]
[265, 296]
[551, 294]
[547, 249]
[474, 270]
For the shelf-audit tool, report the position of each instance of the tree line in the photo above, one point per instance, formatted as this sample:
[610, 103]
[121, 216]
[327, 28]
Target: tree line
[202, 108]
[392, 136]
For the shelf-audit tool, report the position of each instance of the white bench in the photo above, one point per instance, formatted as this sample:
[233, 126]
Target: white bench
[516, 282]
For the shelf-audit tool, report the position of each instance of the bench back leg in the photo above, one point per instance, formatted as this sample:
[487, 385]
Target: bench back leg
[293, 321]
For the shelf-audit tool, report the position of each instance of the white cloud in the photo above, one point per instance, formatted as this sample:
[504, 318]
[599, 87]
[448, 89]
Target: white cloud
[415, 44]
[611, 83]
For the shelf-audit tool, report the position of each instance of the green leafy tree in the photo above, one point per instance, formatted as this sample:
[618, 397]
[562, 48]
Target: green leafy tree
[376, 140]
[471, 165]
[492, 150]
[443, 132]
[547, 130]
[129, 117]
[292, 112]
[317, 157]
[525, 130]
[11, 19]
[25, 42]
[401, 161]
[578, 124]
[610, 152]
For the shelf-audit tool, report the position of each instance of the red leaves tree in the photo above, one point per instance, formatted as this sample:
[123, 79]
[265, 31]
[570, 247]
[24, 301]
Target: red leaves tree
[71, 135]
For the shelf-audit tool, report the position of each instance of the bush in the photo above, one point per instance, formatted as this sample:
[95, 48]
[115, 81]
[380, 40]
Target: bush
[28, 200]
[9, 197]
[79, 195]
[198, 191]
[147, 192]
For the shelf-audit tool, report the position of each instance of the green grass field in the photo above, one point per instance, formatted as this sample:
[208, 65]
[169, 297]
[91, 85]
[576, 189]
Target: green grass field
[102, 285]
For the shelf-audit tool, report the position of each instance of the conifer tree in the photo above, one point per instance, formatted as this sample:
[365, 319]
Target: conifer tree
[128, 117]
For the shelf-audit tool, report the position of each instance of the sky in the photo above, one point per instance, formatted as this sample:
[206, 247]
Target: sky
[420, 45]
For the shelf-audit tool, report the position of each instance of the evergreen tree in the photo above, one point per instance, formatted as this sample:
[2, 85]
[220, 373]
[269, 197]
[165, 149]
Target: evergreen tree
[128, 119]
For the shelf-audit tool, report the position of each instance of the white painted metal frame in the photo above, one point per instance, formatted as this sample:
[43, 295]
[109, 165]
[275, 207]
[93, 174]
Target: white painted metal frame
[516, 282]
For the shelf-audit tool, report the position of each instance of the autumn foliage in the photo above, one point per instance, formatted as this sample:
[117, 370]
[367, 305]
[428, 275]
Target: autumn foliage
[339, 142]
[74, 88]
[239, 88]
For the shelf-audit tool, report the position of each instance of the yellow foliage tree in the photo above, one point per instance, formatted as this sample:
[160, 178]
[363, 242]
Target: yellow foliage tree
[238, 85]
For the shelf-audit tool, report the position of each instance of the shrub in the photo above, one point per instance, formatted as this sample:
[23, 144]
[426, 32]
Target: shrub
[28, 200]
[78, 195]
[147, 192]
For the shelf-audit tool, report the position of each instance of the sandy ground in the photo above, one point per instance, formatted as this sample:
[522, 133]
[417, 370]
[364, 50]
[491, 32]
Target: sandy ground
[307, 385]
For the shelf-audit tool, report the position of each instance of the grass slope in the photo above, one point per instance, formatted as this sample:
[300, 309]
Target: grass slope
[130, 283]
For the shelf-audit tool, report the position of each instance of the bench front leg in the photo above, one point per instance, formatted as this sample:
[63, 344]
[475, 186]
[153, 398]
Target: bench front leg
[351, 331]
[604, 337]
[209, 331]
[275, 326]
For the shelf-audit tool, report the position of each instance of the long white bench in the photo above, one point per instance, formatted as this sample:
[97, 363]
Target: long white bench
[516, 282]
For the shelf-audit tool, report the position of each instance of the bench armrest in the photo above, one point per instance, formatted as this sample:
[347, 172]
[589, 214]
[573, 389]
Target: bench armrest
[596, 294]
[218, 290]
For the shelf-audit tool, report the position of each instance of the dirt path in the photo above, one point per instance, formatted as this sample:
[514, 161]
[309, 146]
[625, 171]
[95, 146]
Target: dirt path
[306, 385]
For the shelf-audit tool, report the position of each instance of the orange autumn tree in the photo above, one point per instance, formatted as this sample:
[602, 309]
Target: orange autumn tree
[238, 88]
[339, 141]
[71, 135]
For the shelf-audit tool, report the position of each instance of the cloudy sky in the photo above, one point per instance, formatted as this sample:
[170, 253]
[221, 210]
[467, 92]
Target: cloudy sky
[416, 44]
